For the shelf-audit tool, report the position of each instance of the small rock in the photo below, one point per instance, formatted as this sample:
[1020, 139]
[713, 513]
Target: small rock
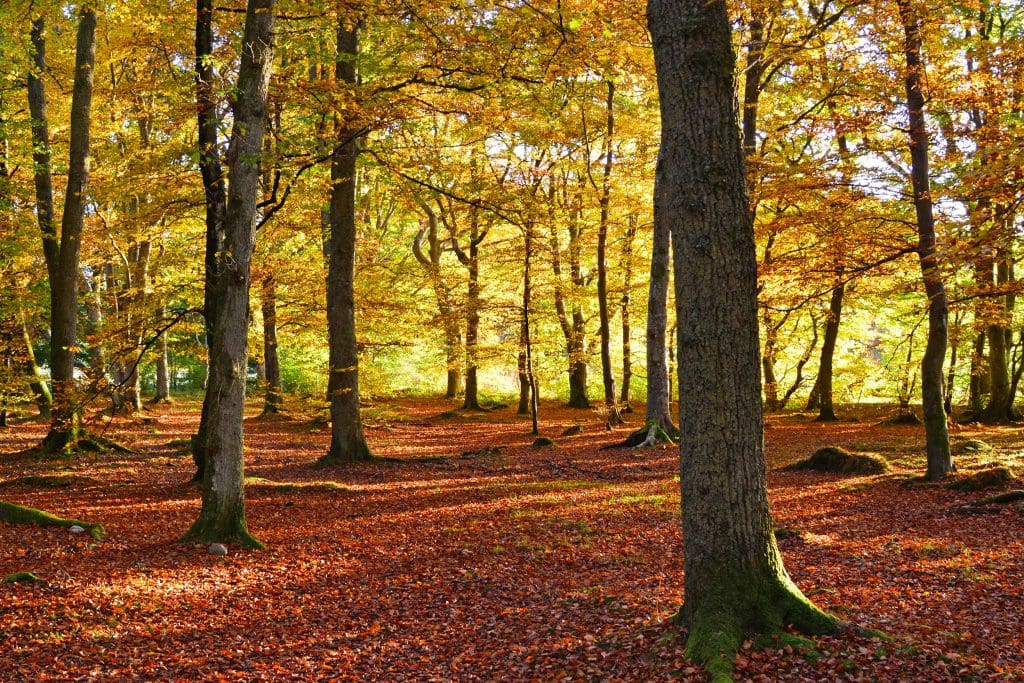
[218, 549]
[76, 529]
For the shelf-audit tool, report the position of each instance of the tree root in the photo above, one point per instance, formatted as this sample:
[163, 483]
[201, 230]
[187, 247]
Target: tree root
[19, 514]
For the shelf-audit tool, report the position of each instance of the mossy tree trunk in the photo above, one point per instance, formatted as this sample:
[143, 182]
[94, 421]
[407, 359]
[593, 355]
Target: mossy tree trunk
[62, 259]
[348, 443]
[940, 461]
[735, 582]
[214, 191]
[222, 517]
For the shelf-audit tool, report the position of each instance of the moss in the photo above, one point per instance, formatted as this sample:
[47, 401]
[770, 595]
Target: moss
[23, 577]
[971, 446]
[574, 430]
[839, 460]
[543, 441]
[50, 481]
[734, 607]
[208, 529]
[782, 534]
[293, 486]
[993, 478]
[19, 514]
[1002, 498]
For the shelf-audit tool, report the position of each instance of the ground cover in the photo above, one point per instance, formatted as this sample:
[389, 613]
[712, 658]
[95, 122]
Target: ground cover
[466, 554]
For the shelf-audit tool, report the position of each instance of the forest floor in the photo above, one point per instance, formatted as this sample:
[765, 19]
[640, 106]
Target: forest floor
[446, 562]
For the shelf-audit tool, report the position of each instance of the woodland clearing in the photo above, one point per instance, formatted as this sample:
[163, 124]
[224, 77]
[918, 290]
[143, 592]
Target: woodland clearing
[464, 553]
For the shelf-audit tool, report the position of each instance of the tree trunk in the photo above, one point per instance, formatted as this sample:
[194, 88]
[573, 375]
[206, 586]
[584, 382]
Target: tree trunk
[627, 285]
[823, 385]
[472, 401]
[37, 381]
[1000, 407]
[658, 383]
[523, 367]
[348, 444]
[527, 344]
[940, 461]
[735, 582]
[273, 400]
[215, 200]
[222, 517]
[65, 417]
[608, 379]
[979, 373]
[163, 385]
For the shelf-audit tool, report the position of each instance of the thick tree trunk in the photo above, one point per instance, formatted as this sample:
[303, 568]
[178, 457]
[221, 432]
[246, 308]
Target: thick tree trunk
[65, 417]
[1000, 398]
[214, 192]
[222, 517]
[940, 461]
[823, 385]
[348, 444]
[658, 383]
[273, 399]
[735, 582]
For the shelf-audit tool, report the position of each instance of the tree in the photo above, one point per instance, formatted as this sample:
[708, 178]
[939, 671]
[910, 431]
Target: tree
[735, 580]
[348, 443]
[215, 200]
[940, 461]
[62, 257]
[222, 517]
[659, 406]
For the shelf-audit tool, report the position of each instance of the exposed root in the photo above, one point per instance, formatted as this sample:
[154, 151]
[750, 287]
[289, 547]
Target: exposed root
[19, 514]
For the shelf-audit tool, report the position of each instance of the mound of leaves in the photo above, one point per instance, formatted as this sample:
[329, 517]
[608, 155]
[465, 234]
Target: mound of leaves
[841, 461]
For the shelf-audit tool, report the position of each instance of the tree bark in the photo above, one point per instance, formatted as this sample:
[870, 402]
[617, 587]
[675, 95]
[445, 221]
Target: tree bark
[527, 343]
[658, 383]
[222, 517]
[37, 381]
[431, 262]
[735, 582]
[472, 263]
[348, 444]
[163, 384]
[627, 285]
[65, 418]
[940, 461]
[273, 399]
[607, 377]
[214, 193]
[823, 385]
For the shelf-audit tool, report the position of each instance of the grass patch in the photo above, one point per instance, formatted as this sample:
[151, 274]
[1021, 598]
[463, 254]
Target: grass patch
[654, 499]
[971, 446]
[841, 461]
[19, 514]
